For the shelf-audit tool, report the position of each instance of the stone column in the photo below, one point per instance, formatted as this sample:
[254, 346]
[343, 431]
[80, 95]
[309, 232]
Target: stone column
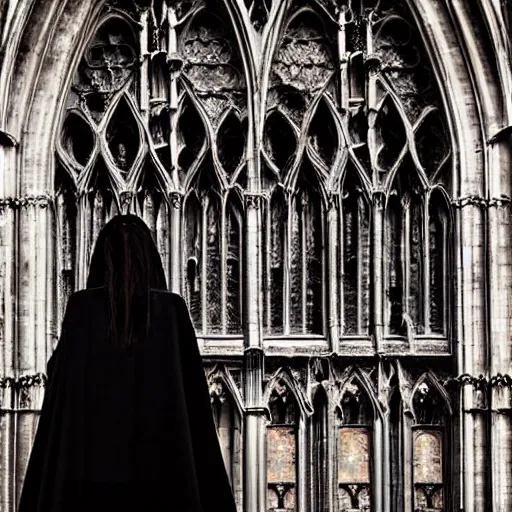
[334, 265]
[254, 440]
[254, 449]
[175, 273]
[499, 268]
[8, 243]
[34, 321]
[472, 341]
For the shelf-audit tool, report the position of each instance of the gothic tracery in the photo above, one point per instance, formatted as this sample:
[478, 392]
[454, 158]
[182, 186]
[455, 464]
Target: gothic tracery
[294, 163]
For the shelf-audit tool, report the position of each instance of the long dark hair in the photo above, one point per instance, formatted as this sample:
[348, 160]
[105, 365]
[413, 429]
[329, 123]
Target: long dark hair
[126, 262]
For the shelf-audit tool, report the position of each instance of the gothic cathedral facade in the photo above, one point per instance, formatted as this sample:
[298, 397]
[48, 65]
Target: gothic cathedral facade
[329, 185]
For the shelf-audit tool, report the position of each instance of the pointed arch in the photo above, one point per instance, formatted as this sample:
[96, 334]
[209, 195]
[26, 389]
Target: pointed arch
[220, 373]
[325, 136]
[288, 409]
[274, 270]
[192, 230]
[306, 258]
[354, 257]
[228, 413]
[230, 143]
[279, 141]
[354, 374]
[431, 437]
[212, 266]
[430, 379]
[439, 262]
[356, 414]
[233, 215]
[406, 254]
[78, 143]
[305, 409]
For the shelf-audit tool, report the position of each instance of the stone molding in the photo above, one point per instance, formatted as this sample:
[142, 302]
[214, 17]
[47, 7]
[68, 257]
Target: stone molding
[482, 202]
[42, 200]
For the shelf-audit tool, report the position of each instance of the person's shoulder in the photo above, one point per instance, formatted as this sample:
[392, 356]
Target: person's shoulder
[168, 296]
[86, 295]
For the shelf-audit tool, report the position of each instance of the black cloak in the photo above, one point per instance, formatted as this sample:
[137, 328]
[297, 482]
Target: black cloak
[132, 431]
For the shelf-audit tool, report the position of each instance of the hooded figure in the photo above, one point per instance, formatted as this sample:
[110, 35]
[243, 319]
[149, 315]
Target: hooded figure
[126, 422]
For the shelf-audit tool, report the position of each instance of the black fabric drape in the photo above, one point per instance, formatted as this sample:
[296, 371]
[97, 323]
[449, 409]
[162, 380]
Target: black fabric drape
[131, 432]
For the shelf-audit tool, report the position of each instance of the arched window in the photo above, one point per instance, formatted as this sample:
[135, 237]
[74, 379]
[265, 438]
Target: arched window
[282, 449]
[296, 169]
[355, 257]
[229, 429]
[430, 444]
[405, 217]
[135, 138]
[354, 448]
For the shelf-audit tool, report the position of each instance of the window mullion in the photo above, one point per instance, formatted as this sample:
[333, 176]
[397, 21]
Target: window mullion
[426, 264]
[406, 254]
[341, 262]
[84, 241]
[204, 254]
[223, 265]
[446, 301]
[287, 269]
[359, 252]
[304, 261]
[144, 68]
[267, 256]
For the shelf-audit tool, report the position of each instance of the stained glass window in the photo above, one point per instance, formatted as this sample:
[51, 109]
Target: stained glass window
[282, 450]
[429, 448]
[354, 449]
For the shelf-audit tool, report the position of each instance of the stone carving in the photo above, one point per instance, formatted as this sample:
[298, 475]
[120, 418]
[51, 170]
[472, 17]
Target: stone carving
[42, 201]
[498, 202]
[217, 390]
[209, 55]
[304, 61]
[107, 65]
[404, 62]
[253, 200]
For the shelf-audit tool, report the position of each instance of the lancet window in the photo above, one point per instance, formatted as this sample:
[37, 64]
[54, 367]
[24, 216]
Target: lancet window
[228, 419]
[156, 125]
[430, 437]
[354, 449]
[282, 449]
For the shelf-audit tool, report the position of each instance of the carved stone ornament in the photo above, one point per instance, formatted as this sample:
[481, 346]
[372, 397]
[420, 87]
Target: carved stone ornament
[126, 197]
[483, 202]
[217, 389]
[42, 201]
[176, 200]
[24, 383]
[253, 200]
[106, 66]
[405, 387]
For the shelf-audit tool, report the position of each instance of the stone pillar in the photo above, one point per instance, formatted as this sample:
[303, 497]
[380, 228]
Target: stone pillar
[254, 439]
[34, 320]
[175, 273]
[334, 266]
[472, 341]
[8, 247]
[499, 268]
